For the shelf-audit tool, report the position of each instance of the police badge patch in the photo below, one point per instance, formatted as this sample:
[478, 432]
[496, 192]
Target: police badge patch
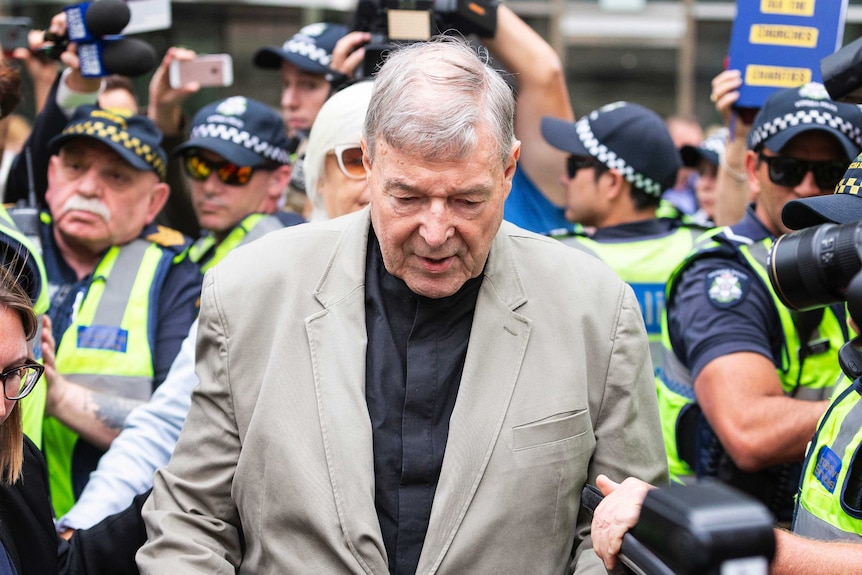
[727, 287]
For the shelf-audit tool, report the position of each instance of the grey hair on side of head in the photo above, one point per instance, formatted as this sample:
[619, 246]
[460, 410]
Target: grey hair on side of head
[436, 98]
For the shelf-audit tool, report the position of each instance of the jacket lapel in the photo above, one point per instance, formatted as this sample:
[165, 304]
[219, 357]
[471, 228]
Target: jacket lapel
[498, 341]
[338, 342]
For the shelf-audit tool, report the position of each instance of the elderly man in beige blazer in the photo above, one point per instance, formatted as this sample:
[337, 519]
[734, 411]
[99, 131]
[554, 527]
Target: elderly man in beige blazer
[284, 466]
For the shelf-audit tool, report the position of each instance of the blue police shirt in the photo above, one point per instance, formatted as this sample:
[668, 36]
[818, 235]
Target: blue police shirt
[705, 326]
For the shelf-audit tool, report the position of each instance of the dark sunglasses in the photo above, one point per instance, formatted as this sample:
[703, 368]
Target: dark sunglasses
[789, 172]
[199, 168]
[575, 163]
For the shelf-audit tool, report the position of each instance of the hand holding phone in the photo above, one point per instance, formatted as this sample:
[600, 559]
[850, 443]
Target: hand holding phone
[13, 33]
[208, 70]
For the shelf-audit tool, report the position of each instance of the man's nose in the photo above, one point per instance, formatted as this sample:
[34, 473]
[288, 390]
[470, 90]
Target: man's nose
[808, 187]
[88, 184]
[288, 97]
[437, 226]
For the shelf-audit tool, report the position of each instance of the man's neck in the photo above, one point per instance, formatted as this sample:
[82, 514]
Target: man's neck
[627, 216]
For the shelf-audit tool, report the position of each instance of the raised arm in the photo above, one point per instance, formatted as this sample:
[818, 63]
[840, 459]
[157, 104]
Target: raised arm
[541, 92]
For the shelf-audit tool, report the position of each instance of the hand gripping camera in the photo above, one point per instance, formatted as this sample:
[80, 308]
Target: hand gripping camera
[397, 21]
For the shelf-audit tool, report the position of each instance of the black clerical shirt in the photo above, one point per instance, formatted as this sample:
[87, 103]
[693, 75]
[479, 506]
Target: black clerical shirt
[416, 351]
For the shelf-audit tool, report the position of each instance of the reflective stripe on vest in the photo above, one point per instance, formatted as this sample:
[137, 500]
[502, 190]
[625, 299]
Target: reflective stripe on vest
[829, 504]
[248, 230]
[645, 264]
[107, 348]
[675, 386]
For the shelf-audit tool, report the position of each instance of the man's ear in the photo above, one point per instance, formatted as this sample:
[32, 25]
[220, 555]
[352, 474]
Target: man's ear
[278, 181]
[752, 164]
[158, 199]
[615, 184]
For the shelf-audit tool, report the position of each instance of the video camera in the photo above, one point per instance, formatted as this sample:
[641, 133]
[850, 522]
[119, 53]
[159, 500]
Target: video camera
[396, 21]
[817, 267]
[707, 528]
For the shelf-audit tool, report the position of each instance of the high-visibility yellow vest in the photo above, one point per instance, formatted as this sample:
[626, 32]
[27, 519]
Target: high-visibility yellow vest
[646, 264]
[810, 378]
[829, 503]
[107, 347]
[206, 252]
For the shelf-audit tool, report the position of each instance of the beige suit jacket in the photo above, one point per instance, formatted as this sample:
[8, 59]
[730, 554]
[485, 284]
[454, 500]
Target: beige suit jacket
[273, 472]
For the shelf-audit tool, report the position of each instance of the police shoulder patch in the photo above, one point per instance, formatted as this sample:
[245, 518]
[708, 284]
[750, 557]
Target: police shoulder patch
[726, 287]
[166, 237]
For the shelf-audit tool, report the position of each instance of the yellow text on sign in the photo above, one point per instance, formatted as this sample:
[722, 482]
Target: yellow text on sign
[776, 76]
[789, 7]
[798, 36]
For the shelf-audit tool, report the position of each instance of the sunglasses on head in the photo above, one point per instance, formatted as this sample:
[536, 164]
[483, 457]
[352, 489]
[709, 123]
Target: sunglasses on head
[349, 158]
[575, 163]
[789, 172]
[199, 168]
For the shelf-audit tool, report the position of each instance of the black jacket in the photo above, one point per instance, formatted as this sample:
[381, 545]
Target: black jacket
[27, 530]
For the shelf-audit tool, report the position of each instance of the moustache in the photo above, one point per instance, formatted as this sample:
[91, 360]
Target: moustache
[91, 205]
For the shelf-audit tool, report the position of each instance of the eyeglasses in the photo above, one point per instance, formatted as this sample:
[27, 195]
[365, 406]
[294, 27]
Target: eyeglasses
[789, 172]
[349, 158]
[199, 168]
[19, 381]
[575, 163]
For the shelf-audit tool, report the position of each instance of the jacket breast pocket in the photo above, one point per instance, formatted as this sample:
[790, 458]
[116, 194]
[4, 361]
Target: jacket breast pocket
[571, 427]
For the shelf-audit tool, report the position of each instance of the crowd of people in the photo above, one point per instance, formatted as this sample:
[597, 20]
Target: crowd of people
[396, 324]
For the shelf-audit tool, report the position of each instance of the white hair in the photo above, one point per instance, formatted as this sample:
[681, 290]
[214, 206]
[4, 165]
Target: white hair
[338, 122]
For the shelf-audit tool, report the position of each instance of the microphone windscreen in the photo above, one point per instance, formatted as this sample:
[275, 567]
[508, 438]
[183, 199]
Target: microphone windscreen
[107, 17]
[128, 57]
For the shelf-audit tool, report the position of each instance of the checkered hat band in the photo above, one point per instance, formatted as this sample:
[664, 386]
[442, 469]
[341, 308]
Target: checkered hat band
[112, 132]
[806, 117]
[309, 50]
[611, 160]
[241, 138]
[851, 185]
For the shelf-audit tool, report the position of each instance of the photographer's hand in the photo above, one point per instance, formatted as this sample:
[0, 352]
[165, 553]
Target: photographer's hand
[349, 52]
[165, 105]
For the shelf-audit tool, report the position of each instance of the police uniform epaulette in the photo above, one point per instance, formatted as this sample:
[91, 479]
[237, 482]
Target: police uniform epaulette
[167, 237]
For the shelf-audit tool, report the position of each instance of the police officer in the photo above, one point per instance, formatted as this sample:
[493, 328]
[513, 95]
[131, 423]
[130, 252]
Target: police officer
[744, 379]
[826, 536]
[237, 160]
[621, 160]
[705, 159]
[122, 293]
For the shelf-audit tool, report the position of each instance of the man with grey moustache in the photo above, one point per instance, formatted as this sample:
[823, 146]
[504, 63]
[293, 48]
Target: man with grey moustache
[123, 293]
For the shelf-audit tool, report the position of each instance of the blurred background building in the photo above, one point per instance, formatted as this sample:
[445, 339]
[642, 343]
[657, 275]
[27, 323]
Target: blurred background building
[662, 54]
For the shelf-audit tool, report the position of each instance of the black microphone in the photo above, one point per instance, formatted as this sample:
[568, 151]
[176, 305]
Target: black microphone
[91, 21]
[124, 56]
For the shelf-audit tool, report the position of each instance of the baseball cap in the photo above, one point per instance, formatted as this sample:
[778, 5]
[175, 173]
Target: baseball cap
[710, 149]
[842, 207]
[241, 130]
[623, 136]
[134, 137]
[310, 49]
[792, 111]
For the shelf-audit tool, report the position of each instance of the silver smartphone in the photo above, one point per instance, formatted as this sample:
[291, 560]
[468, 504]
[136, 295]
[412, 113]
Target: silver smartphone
[208, 70]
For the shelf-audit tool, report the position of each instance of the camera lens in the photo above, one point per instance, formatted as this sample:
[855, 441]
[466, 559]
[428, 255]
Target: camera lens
[812, 268]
